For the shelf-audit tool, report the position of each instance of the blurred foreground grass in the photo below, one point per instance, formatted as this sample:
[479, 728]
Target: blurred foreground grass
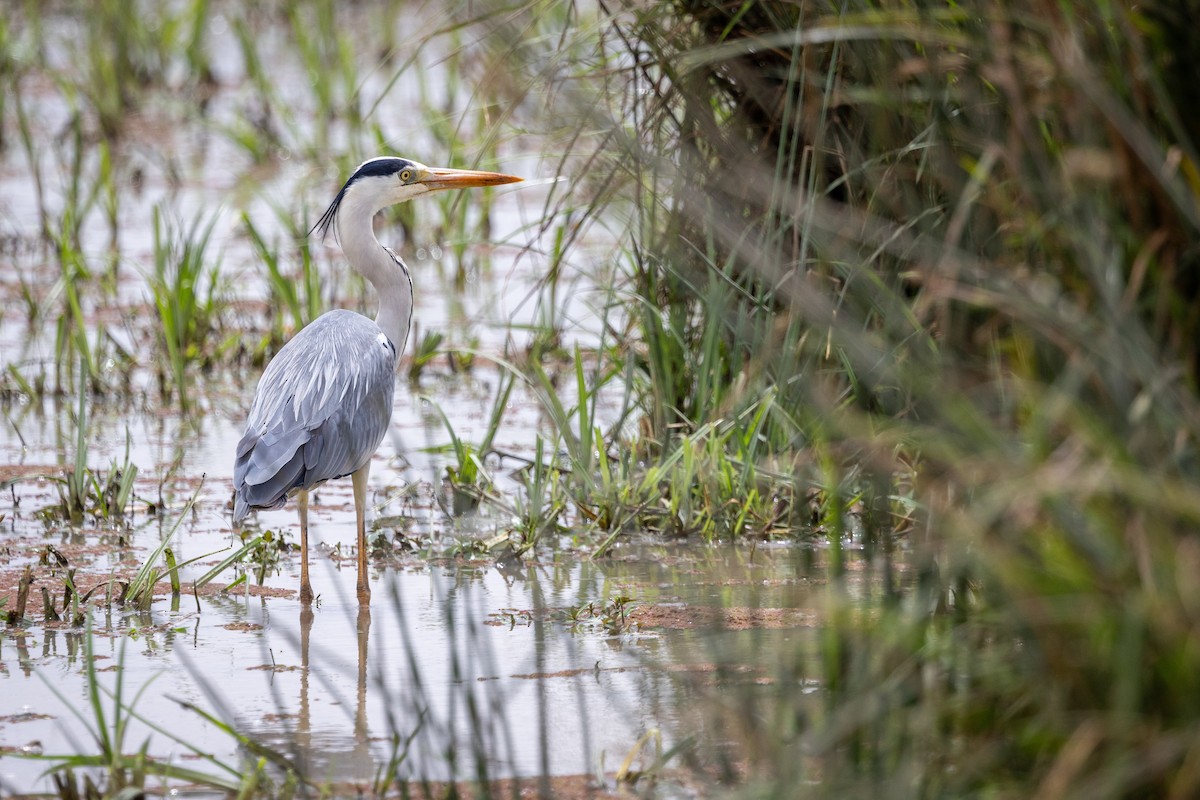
[888, 275]
[932, 267]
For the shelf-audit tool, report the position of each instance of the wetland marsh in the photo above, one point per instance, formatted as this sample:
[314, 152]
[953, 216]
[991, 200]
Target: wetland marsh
[818, 418]
[150, 273]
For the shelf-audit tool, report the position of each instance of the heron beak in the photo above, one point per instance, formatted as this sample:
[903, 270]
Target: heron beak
[440, 178]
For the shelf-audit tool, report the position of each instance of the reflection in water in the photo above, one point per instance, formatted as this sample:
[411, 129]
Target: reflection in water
[23, 655]
[50, 649]
[360, 752]
[304, 728]
[457, 669]
[472, 668]
[363, 629]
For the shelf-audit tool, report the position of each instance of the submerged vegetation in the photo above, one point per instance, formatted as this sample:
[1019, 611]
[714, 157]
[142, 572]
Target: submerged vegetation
[874, 275]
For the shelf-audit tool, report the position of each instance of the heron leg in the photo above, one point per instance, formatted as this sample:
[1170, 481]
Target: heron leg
[360, 517]
[306, 592]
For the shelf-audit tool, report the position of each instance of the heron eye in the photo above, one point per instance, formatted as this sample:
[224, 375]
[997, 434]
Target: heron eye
[405, 175]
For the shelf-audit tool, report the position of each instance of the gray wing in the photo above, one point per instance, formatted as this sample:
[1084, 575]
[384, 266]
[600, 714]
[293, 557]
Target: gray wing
[322, 408]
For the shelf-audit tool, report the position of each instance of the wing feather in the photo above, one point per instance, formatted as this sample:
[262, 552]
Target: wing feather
[321, 409]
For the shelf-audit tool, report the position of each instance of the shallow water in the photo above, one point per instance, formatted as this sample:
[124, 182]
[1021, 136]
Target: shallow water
[457, 658]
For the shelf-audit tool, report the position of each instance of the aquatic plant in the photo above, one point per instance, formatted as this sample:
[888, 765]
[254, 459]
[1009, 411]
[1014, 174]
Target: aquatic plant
[424, 352]
[139, 591]
[540, 508]
[83, 490]
[299, 294]
[467, 474]
[187, 298]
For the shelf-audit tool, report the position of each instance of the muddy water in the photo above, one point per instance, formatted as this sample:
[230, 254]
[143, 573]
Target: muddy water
[460, 660]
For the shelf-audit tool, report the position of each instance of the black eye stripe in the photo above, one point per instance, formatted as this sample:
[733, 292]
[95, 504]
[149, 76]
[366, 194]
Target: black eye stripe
[381, 167]
[375, 167]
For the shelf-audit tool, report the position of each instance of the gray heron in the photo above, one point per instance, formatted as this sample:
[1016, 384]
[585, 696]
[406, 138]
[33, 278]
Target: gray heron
[324, 402]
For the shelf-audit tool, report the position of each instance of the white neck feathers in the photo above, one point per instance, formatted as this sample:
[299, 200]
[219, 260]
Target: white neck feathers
[382, 268]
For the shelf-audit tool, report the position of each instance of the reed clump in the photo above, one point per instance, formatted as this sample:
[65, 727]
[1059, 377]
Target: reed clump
[951, 249]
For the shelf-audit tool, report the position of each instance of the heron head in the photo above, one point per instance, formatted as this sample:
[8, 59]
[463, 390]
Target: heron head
[387, 180]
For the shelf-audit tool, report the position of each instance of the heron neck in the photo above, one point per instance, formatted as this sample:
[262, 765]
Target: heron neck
[386, 272]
